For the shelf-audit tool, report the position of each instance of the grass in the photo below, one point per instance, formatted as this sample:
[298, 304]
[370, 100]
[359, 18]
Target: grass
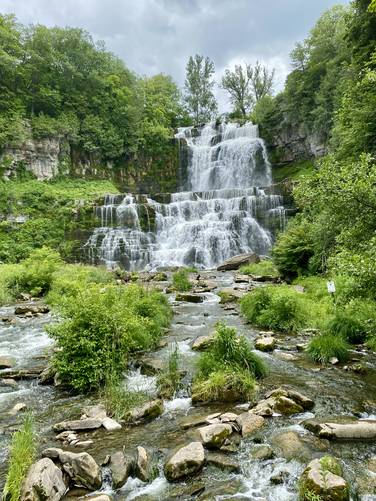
[21, 456]
[228, 369]
[347, 326]
[326, 346]
[168, 382]
[180, 281]
[293, 171]
[263, 268]
[119, 401]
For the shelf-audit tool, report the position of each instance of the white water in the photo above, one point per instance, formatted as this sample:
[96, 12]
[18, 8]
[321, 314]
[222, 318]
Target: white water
[222, 211]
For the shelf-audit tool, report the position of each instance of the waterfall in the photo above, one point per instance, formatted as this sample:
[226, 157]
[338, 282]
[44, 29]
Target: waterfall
[222, 210]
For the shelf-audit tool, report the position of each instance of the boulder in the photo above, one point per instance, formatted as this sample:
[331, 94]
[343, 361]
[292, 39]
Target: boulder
[249, 423]
[282, 401]
[228, 417]
[222, 462]
[352, 430]
[7, 362]
[78, 425]
[265, 343]
[322, 478]
[32, 309]
[110, 424]
[214, 435]
[262, 452]
[82, 469]
[121, 467]
[44, 480]
[299, 398]
[186, 461]
[149, 410]
[142, 464]
[189, 298]
[94, 411]
[291, 446]
[203, 342]
[17, 408]
[235, 262]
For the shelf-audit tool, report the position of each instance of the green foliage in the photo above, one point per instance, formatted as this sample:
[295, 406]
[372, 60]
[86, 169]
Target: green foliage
[232, 352]
[263, 268]
[21, 456]
[180, 280]
[346, 325]
[325, 346]
[100, 327]
[119, 401]
[278, 308]
[168, 381]
[198, 86]
[293, 172]
[225, 384]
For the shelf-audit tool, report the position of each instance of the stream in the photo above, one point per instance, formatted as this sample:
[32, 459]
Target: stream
[334, 391]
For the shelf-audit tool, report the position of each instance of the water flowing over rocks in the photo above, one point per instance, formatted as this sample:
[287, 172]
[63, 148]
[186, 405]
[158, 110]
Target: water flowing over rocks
[185, 461]
[222, 211]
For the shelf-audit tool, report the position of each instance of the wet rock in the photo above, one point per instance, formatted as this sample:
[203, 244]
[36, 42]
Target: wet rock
[17, 408]
[214, 435]
[7, 362]
[78, 425]
[249, 423]
[47, 376]
[265, 343]
[100, 497]
[334, 361]
[44, 481]
[262, 452]
[226, 490]
[279, 477]
[283, 401]
[189, 298]
[110, 424]
[142, 464]
[234, 263]
[228, 417]
[94, 411]
[147, 411]
[349, 430]
[323, 478]
[121, 467]
[223, 462]
[150, 366]
[32, 309]
[202, 343]
[286, 406]
[9, 382]
[239, 278]
[81, 468]
[291, 446]
[286, 357]
[229, 295]
[185, 461]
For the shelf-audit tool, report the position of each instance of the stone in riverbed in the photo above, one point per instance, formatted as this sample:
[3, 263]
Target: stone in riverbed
[266, 343]
[32, 309]
[235, 262]
[185, 461]
[283, 401]
[149, 410]
[203, 342]
[78, 425]
[222, 462]
[350, 430]
[142, 464]
[249, 423]
[81, 468]
[121, 467]
[262, 452]
[44, 480]
[323, 478]
[214, 435]
[6, 362]
[189, 298]
[291, 446]
[110, 424]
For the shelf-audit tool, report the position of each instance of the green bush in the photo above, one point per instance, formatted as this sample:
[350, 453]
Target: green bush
[228, 369]
[279, 308]
[326, 346]
[346, 325]
[100, 327]
[21, 456]
[180, 281]
[263, 268]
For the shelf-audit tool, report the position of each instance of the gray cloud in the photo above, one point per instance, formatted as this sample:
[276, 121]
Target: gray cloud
[154, 36]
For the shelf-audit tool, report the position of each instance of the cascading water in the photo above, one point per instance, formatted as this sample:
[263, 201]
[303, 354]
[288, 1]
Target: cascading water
[220, 212]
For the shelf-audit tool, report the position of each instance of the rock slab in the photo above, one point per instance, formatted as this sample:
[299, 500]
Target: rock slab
[185, 461]
[44, 480]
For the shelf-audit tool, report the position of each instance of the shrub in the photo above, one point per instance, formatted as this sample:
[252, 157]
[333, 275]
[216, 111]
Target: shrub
[227, 370]
[180, 281]
[263, 268]
[100, 327]
[325, 346]
[279, 308]
[168, 381]
[21, 456]
[346, 325]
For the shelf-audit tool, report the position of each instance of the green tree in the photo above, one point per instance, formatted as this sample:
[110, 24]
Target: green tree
[261, 80]
[199, 86]
[238, 84]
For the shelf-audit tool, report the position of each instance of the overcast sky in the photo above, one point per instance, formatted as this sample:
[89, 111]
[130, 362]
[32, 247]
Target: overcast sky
[154, 36]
